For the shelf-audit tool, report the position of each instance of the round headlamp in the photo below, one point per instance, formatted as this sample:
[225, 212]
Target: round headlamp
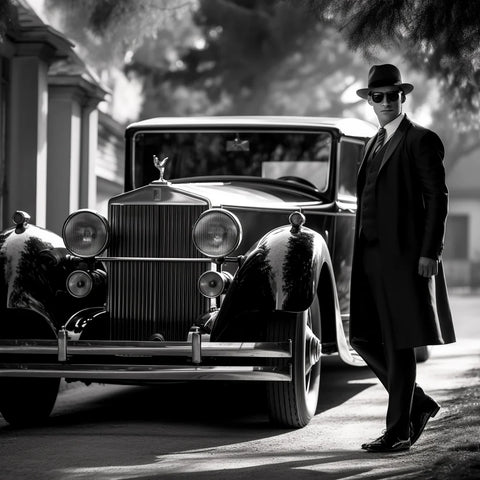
[85, 233]
[217, 233]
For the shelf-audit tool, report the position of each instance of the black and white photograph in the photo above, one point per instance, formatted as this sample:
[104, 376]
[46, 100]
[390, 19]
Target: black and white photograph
[239, 239]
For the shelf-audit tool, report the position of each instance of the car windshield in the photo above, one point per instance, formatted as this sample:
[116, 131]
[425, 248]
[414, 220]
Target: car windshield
[269, 154]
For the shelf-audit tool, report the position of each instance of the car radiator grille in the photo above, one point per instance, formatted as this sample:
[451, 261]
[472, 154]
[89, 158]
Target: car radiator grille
[147, 298]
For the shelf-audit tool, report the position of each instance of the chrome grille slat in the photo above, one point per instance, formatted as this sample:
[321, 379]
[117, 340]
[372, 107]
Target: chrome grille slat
[153, 297]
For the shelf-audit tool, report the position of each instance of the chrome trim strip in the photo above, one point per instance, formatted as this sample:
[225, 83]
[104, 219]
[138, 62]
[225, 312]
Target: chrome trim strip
[311, 209]
[153, 259]
[328, 214]
[128, 372]
[155, 348]
[320, 208]
[163, 259]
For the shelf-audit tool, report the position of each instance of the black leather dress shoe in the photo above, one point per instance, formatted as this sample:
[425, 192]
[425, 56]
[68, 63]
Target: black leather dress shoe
[364, 445]
[421, 416]
[388, 443]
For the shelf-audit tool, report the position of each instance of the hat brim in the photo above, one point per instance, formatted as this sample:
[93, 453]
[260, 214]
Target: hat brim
[405, 87]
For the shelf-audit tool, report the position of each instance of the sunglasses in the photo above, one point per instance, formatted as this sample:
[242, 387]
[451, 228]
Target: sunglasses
[377, 97]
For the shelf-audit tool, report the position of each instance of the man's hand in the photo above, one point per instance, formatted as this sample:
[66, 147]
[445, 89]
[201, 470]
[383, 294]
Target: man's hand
[427, 267]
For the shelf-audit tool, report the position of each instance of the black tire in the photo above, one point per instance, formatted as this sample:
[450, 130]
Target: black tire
[27, 401]
[293, 404]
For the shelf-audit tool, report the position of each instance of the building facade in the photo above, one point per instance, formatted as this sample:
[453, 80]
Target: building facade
[49, 126]
[462, 242]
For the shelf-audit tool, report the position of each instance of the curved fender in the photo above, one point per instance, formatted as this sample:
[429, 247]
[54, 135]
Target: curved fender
[345, 351]
[292, 262]
[280, 273]
[86, 320]
[23, 283]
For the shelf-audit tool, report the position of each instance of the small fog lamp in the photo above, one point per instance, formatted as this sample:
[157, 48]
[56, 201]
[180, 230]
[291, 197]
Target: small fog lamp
[79, 283]
[212, 284]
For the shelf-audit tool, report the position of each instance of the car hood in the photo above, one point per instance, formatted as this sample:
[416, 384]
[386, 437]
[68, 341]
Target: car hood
[221, 194]
[253, 194]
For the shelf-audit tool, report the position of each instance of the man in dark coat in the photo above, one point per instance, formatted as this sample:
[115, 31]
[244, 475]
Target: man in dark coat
[398, 294]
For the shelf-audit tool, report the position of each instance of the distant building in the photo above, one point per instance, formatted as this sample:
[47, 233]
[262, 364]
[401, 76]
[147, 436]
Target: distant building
[462, 242]
[56, 148]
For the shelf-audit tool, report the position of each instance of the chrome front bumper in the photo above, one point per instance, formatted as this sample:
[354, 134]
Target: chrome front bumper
[191, 353]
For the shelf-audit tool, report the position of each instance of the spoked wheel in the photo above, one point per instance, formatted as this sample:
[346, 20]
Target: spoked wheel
[293, 404]
[27, 401]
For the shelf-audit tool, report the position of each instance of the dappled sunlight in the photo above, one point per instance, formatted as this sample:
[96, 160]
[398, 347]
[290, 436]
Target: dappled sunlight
[237, 461]
[184, 432]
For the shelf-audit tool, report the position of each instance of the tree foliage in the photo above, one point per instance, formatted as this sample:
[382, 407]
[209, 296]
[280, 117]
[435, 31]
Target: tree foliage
[108, 30]
[285, 56]
[250, 58]
[439, 37]
[8, 18]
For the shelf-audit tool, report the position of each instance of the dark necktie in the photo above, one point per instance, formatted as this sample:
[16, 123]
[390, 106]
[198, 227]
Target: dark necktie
[380, 140]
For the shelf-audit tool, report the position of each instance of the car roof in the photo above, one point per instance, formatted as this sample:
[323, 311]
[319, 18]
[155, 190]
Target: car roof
[347, 126]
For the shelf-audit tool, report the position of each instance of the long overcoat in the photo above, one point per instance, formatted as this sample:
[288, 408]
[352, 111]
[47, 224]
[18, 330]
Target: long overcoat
[411, 208]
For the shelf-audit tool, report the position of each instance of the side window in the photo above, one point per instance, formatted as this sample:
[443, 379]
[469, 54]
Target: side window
[350, 158]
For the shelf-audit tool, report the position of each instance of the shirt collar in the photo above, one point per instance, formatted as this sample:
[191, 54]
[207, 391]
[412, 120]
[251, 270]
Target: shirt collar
[391, 127]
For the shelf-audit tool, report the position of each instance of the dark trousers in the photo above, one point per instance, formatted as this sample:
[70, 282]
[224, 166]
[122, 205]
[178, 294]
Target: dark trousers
[395, 368]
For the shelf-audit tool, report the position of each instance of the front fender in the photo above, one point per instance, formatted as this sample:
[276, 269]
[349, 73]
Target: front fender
[34, 266]
[88, 324]
[280, 273]
[24, 283]
[290, 261]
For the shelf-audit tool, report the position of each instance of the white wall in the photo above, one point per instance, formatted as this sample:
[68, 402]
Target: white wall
[470, 208]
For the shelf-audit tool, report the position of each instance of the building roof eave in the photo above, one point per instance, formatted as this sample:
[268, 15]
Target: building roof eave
[31, 30]
[89, 88]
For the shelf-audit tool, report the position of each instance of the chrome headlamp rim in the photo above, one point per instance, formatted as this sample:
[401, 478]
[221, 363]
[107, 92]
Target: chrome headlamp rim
[236, 223]
[103, 222]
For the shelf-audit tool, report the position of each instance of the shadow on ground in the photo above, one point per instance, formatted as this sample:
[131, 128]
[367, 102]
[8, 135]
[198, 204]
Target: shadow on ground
[241, 405]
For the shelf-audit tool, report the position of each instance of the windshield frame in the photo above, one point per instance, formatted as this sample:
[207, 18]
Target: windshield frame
[230, 130]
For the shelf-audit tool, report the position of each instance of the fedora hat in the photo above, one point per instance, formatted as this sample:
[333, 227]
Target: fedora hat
[384, 76]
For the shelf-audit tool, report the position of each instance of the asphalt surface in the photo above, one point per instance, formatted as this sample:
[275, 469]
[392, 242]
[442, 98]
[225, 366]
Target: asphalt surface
[217, 431]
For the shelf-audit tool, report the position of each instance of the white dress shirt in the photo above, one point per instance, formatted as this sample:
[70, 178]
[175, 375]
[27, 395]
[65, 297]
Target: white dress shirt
[391, 127]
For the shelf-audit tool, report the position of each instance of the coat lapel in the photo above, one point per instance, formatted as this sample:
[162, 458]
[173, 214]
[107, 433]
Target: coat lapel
[368, 147]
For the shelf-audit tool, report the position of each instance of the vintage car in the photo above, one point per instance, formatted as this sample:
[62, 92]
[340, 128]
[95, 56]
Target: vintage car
[227, 258]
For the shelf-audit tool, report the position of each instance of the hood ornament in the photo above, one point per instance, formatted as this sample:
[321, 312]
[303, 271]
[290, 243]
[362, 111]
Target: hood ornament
[160, 164]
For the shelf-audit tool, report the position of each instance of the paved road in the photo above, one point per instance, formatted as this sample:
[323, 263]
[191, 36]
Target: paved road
[184, 431]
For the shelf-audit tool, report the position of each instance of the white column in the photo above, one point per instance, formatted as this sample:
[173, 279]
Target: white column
[64, 155]
[88, 178]
[27, 146]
